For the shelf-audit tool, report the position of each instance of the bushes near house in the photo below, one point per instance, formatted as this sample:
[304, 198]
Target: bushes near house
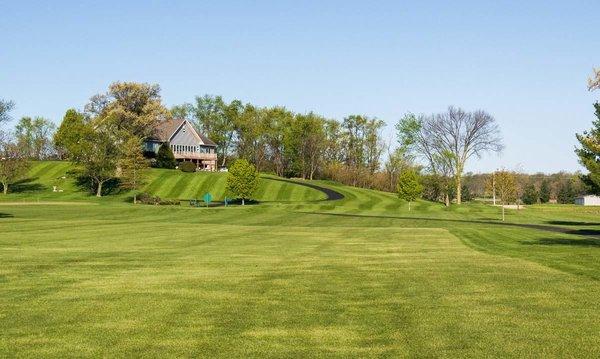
[187, 167]
[165, 157]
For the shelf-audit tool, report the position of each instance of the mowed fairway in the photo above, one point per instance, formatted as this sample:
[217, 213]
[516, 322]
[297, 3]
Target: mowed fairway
[288, 280]
[43, 176]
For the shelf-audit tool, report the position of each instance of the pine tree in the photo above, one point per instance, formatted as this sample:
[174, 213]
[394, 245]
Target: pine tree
[165, 157]
[566, 193]
[544, 192]
[530, 194]
[133, 165]
[409, 187]
[589, 153]
[242, 180]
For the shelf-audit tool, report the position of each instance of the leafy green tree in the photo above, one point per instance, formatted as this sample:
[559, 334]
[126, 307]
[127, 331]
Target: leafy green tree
[544, 191]
[409, 187]
[277, 121]
[98, 154]
[217, 120]
[530, 194]
[128, 109]
[13, 162]
[250, 135]
[34, 136]
[71, 130]
[242, 180]
[133, 165]
[165, 157]
[5, 108]
[305, 142]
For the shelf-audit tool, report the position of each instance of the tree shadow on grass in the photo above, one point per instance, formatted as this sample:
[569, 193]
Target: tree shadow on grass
[541, 227]
[573, 223]
[583, 242]
[6, 215]
[26, 185]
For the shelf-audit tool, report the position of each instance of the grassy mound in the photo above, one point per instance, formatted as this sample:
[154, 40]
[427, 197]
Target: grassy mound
[44, 176]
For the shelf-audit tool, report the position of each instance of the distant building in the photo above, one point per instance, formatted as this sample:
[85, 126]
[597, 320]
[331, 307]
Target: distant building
[588, 200]
[186, 143]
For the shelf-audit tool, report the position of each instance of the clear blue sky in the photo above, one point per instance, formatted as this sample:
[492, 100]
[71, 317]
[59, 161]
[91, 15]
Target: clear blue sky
[525, 62]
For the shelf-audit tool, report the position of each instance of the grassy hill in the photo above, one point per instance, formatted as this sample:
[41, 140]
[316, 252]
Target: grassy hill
[169, 184]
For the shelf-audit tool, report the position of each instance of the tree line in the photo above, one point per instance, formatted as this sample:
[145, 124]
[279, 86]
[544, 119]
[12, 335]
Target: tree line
[106, 138]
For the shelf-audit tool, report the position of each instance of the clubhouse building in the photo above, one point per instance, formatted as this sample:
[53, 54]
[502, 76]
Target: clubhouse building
[186, 143]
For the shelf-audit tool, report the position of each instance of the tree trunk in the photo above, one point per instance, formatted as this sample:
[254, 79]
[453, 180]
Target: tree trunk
[494, 187]
[447, 200]
[5, 187]
[409, 205]
[458, 189]
[243, 203]
[99, 190]
[502, 212]
[134, 198]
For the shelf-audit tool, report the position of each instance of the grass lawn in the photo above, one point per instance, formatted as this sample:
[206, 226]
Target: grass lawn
[359, 277]
[168, 184]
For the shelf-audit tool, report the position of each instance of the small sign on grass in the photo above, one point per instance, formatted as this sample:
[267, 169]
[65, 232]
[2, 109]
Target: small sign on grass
[207, 198]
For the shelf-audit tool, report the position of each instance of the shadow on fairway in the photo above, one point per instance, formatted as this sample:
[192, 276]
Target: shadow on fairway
[541, 227]
[584, 242]
[6, 215]
[573, 223]
[26, 185]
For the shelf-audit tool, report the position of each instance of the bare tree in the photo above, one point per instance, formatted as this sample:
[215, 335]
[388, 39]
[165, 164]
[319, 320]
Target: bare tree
[594, 81]
[464, 135]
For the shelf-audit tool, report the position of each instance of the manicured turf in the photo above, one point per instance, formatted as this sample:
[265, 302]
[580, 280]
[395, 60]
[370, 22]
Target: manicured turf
[358, 277]
[167, 184]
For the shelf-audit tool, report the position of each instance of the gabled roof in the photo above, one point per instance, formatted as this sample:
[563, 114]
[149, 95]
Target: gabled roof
[167, 128]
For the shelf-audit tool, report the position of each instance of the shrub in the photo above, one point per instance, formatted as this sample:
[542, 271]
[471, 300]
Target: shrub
[145, 198]
[165, 157]
[187, 166]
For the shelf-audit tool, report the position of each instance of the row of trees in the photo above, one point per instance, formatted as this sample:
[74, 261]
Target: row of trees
[289, 144]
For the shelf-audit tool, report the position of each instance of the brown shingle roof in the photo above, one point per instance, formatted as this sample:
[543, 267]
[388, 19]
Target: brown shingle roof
[166, 128]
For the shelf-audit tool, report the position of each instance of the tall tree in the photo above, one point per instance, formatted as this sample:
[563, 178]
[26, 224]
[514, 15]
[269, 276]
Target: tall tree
[5, 108]
[133, 166]
[277, 121]
[373, 144]
[305, 143]
[566, 192]
[67, 139]
[217, 120]
[544, 191]
[506, 188]
[98, 154]
[13, 162]
[463, 134]
[250, 129]
[589, 152]
[530, 194]
[242, 180]
[409, 187]
[128, 109]
[396, 162]
[34, 136]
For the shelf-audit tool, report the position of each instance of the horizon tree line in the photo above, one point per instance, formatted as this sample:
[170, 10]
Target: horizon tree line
[274, 139]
